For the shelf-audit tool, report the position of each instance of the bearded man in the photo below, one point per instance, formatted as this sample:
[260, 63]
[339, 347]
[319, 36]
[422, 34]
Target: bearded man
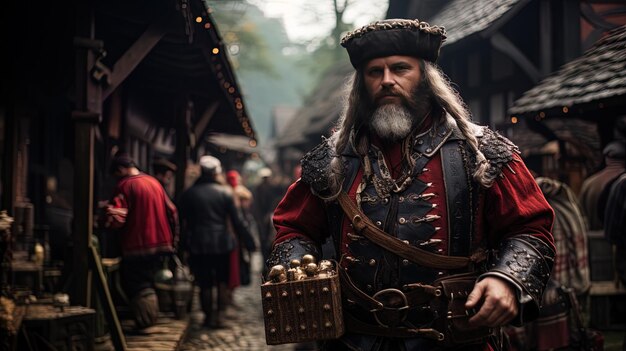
[416, 199]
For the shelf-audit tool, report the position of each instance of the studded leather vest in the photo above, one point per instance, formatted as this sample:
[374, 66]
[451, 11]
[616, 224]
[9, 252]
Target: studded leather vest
[408, 214]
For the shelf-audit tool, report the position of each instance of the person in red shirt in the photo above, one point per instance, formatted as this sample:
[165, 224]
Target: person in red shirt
[407, 154]
[148, 224]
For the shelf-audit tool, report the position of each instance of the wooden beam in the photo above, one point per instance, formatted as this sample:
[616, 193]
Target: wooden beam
[134, 55]
[545, 38]
[206, 117]
[503, 44]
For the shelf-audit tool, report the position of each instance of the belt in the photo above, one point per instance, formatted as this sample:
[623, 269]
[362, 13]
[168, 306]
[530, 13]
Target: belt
[389, 307]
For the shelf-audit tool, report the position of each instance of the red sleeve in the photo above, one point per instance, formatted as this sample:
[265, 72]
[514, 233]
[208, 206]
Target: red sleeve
[515, 205]
[300, 213]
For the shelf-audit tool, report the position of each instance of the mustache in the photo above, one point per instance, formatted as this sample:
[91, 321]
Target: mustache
[391, 92]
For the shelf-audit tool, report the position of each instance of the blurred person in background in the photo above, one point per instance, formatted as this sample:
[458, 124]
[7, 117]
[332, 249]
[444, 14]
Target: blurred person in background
[148, 224]
[206, 210]
[594, 191]
[561, 323]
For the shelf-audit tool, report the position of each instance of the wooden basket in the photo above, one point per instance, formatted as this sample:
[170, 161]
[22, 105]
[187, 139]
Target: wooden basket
[302, 310]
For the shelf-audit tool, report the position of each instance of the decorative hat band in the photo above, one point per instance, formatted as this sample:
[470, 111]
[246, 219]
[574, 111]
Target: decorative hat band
[394, 37]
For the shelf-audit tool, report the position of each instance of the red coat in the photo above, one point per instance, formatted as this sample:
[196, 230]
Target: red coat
[513, 205]
[151, 215]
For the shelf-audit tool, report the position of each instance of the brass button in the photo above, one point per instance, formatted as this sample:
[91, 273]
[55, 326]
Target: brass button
[372, 262]
[402, 220]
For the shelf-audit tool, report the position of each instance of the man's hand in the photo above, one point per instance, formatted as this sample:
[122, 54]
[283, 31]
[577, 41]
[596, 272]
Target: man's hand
[496, 300]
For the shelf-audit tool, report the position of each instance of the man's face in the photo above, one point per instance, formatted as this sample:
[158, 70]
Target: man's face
[391, 79]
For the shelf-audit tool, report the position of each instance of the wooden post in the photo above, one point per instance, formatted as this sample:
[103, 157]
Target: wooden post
[84, 123]
[85, 116]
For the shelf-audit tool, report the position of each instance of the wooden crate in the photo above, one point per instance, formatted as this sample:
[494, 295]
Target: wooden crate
[302, 310]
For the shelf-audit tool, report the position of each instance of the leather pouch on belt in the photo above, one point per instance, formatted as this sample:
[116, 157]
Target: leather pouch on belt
[454, 318]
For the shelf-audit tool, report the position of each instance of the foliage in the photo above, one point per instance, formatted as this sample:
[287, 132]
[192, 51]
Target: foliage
[247, 47]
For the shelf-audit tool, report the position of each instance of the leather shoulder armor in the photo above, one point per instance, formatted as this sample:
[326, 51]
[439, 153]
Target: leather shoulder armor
[497, 149]
[316, 167]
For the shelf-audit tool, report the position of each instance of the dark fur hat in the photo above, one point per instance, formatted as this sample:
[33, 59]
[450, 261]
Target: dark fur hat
[394, 37]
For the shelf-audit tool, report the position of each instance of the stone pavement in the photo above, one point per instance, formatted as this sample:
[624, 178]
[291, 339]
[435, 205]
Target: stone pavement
[244, 324]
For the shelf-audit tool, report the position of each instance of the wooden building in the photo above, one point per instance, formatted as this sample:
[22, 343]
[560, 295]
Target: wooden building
[81, 80]
[497, 50]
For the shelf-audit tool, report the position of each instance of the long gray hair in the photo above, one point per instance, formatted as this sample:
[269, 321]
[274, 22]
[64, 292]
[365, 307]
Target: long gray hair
[356, 105]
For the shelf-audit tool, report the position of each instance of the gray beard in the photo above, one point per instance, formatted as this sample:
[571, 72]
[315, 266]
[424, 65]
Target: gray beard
[392, 122]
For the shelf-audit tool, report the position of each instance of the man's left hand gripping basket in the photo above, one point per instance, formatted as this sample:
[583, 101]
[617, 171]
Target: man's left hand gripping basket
[302, 303]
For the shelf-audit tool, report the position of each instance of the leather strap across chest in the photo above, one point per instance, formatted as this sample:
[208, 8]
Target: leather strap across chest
[365, 227]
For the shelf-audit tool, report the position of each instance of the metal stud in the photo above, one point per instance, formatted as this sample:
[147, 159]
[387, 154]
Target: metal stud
[301, 310]
[284, 294]
[328, 324]
[379, 223]
[270, 312]
[327, 307]
[288, 329]
[402, 220]
[272, 330]
[372, 262]
[405, 262]
[325, 289]
[268, 295]
[298, 293]
[429, 150]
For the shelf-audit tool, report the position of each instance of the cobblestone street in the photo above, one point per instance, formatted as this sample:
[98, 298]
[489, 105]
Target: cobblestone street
[244, 324]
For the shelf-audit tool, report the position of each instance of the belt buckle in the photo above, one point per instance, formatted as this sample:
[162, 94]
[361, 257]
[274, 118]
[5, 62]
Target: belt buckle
[395, 307]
